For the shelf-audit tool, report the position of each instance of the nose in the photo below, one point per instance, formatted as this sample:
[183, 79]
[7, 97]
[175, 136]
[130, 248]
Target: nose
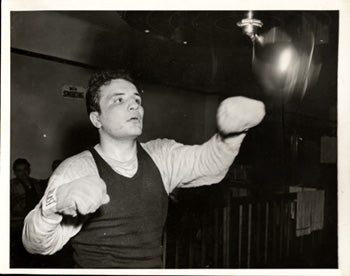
[133, 104]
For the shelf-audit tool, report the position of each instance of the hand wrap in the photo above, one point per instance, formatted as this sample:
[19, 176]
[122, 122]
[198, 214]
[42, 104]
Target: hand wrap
[238, 114]
[82, 196]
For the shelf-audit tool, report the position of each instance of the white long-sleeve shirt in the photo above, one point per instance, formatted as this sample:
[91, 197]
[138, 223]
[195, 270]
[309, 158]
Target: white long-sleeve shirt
[179, 166]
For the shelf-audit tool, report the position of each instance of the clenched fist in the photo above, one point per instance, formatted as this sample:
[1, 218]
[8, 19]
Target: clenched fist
[82, 196]
[238, 114]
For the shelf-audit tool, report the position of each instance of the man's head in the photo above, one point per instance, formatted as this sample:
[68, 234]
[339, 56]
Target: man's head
[21, 168]
[114, 105]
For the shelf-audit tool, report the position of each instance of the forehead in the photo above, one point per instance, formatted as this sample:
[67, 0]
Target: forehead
[118, 86]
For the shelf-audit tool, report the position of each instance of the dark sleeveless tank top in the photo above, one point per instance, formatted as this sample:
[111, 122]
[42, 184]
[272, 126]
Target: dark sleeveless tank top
[126, 232]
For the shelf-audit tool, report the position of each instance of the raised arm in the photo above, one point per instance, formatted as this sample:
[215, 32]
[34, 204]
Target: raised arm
[184, 165]
[74, 188]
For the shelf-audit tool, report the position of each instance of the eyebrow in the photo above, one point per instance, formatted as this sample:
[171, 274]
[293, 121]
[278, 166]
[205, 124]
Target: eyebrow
[121, 94]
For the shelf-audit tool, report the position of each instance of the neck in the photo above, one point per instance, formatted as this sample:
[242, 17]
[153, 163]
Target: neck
[119, 149]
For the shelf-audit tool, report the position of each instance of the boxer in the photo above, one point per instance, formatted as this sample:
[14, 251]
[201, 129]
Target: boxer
[111, 201]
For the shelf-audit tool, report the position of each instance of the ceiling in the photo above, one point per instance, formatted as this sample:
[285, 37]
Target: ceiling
[213, 28]
[207, 28]
[206, 51]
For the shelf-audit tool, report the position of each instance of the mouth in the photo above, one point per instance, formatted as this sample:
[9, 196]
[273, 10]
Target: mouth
[134, 119]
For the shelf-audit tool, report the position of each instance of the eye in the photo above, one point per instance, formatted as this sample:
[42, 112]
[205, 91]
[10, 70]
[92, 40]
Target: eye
[138, 101]
[118, 100]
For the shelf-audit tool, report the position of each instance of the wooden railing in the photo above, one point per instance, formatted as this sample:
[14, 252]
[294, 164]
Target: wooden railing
[246, 232]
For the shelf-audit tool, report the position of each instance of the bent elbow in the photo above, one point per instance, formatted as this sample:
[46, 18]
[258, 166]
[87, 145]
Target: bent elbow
[36, 240]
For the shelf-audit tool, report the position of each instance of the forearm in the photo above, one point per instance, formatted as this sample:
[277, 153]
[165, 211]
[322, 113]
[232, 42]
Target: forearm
[211, 161]
[49, 227]
[42, 235]
[222, 151]
[46, 234]
[190, 166]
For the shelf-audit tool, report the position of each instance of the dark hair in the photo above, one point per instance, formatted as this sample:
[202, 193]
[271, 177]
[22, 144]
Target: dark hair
[99, 79]
[20, 161]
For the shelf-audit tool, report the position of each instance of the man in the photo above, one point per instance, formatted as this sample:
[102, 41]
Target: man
[111, 201]
[25, 190]
[25, 193]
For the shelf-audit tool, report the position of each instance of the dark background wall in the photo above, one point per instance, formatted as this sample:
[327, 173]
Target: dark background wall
[46, 126]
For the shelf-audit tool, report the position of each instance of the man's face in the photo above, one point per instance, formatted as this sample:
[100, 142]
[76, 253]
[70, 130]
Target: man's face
[22, 171]
[121, 115]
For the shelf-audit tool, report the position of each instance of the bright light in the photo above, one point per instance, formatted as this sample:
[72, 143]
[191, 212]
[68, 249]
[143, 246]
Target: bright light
[185, 42]
[285, 59]
[147, 31]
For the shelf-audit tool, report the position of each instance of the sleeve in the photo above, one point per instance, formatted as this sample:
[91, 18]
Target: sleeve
[196, 165]
[47, 234]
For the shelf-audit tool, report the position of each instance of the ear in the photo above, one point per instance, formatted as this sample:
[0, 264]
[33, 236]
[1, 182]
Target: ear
[95, 119]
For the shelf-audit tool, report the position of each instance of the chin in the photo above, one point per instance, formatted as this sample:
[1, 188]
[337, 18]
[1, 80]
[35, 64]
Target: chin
[135, 134]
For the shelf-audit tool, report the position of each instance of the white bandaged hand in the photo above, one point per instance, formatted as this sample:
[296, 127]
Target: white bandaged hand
[82, 196]
[238, 114]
